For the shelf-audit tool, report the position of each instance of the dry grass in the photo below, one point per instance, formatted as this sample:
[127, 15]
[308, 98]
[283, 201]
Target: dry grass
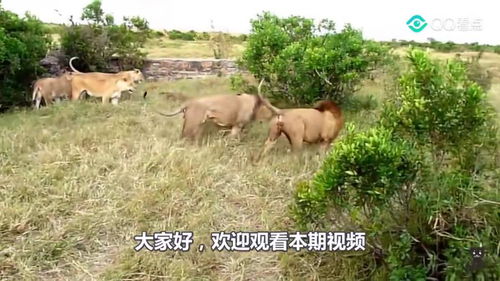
[166, 48]
[80, 180]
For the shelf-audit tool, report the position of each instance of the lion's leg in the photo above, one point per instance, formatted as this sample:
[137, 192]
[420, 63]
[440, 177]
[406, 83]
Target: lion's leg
[194, 118]
[235, 131]
[115, 98]
[325, 146]
[38, 100]
[295, 133]
[75, 94]
[274, 134]
[197, 133]
[296, 141]
[191, 131]
[48, 99]
[105, 99]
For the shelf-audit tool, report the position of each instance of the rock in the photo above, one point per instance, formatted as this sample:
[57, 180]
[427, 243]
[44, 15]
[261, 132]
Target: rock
[156, 69]
[54, 62]
[173, 69]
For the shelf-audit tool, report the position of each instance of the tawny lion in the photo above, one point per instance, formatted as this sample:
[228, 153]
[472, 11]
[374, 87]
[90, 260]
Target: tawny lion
[135, 75]
[51, 89]
[234, 111]
[321, 124]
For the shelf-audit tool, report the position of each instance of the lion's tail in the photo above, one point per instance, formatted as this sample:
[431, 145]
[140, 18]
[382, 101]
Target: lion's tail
[179, 111]
[71, 64]
[274, 109]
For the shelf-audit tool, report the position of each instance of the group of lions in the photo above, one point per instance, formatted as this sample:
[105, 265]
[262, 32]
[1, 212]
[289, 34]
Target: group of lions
[72, 85]
[320, 124]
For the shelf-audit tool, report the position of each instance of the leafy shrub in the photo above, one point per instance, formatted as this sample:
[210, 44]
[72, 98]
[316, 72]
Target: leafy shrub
[476, 47]
[303, 62]
[366, 168]
[242, 85]
[221, 45]
[477, 73]
[96, 42]
[23, 43]
[205, 36]
[179, 35]
[452, 110]
[243, 37]
[158, 34]
[443, 47]
[421, 211]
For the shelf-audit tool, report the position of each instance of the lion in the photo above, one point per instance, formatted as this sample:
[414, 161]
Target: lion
[225, 110]
[320, 124]
[108, 86]
[50, 89]
[135, 75]
[105, 87]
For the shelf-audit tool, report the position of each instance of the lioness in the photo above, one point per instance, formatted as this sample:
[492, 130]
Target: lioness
[134, 75]
[321, 124]
[107, 88]
[235, 111]
[51, 89]
[105, 85]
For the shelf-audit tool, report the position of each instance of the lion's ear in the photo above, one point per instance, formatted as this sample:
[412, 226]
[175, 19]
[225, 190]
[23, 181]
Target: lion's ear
[137, 71]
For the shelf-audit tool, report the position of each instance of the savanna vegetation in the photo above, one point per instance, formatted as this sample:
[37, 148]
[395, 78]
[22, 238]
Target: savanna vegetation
[24, 41]
[101, 39]
[416, 167]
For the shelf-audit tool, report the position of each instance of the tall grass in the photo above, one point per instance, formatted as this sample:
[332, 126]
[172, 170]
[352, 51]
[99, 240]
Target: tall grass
[79, 180]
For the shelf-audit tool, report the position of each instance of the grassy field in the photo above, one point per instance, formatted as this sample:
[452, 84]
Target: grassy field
[79, 180]
[163, 47]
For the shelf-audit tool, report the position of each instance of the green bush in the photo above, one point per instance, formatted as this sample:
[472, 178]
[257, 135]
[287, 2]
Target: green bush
[23, 43]
[477, 73]
[241, 85]
[204, 36]
[96, 42]
[452, 110]
[303, 62]
[179, 35]
[443, 47]
[366, 168]
[221, 45]
[409, 183]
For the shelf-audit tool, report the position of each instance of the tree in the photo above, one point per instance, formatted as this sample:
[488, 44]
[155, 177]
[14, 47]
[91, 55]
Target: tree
[101, 39]
[303, 62]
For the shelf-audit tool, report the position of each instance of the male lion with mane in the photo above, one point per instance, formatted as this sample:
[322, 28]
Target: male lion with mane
[320, 124]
